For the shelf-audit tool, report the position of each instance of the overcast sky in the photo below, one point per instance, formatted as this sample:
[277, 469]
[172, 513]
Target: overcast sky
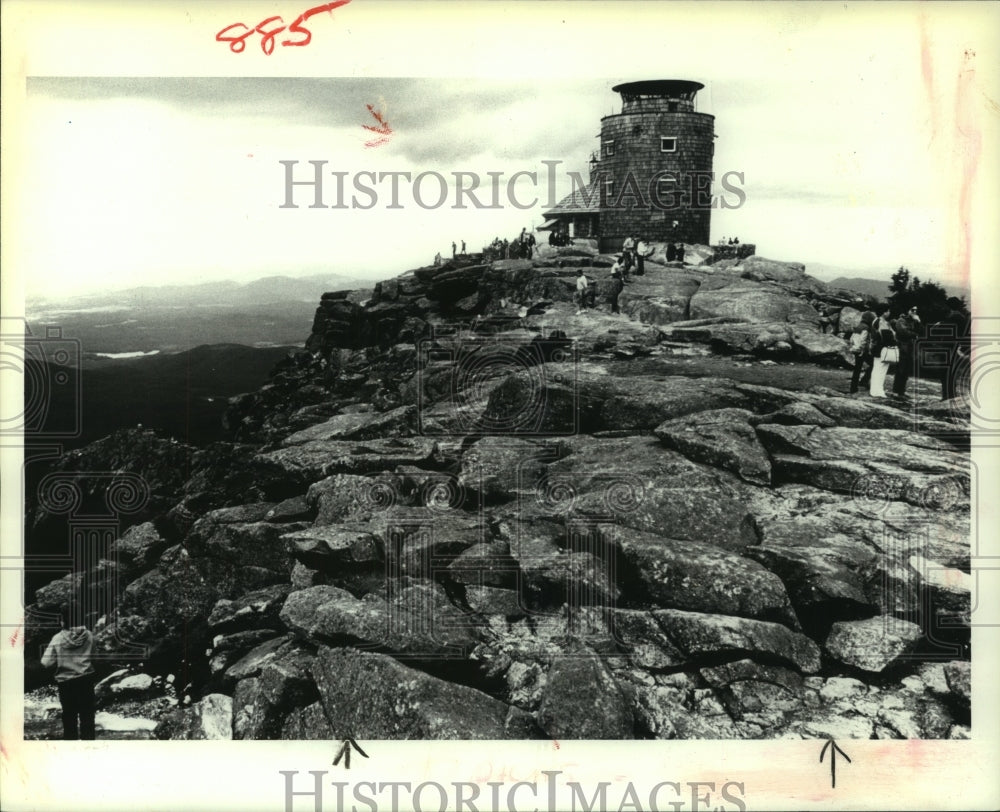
[854, 159]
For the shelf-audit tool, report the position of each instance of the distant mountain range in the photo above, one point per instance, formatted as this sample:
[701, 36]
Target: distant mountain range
[276, 310]
[874, 281]
[267, 290]
[870, 287]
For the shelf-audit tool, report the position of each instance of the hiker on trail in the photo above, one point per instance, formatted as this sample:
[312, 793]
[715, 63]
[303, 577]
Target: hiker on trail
[437, 259]
[616, 288]
[454, 249]
[581, 290]
[463, 246]
[69, 653]
[531, 245]
[861, 347]
[884, 351]
[907, 328]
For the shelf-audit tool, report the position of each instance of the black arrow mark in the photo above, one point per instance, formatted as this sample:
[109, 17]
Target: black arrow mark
[833, 759]
[345, 752]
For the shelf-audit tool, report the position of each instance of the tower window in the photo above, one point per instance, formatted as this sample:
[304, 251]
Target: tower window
[609, 148]
[668, 143]
[667, 185]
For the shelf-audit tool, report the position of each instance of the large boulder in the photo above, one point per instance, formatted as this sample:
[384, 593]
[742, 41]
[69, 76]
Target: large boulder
[726, 295]
[137, 550]
[498, 468]
[420, 622]
[635, 482]
[757, 267]
[823, 568]
[698, 577]
[209, 718]
[873, 644]
[331, 548]
[372, 696]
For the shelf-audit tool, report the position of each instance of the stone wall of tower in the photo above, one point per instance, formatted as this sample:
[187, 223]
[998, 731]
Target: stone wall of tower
[637, 154]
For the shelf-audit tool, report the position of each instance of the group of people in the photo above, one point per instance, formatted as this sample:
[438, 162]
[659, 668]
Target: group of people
[880, 340]
[558, 238]
[521, 247]
[633, 256]
[731, 241]
[454, 249]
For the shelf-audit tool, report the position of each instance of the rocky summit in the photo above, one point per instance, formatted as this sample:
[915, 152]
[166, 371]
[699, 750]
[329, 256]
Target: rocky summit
[471, 510]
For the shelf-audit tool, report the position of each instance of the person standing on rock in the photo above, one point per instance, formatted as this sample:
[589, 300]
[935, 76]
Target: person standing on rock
[907, 329]
[454, 249]
[581, 291]
[617, 286]
[628, 250]
[69, 653]
[861, 346]
[641, 250]
[884, 350]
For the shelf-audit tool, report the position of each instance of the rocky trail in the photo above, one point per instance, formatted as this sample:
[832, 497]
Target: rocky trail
[469, 511]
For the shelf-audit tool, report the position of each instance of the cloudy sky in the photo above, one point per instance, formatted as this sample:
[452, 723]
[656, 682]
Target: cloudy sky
[858, 147]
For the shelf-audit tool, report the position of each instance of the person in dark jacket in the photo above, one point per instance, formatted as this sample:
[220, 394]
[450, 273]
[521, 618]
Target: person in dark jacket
[861, 346]
[69, 652]
[907, 328]
[615, 290]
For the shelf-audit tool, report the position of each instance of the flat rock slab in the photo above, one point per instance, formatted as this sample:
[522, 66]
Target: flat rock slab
[699, 635]
[358, 426]
[720, 437]
[314, 460]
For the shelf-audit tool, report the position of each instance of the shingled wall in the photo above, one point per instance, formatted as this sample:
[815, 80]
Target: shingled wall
[637, 151]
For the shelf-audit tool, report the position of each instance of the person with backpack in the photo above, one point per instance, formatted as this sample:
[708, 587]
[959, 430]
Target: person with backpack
[69, 652]
[861, 347]
[884, 351]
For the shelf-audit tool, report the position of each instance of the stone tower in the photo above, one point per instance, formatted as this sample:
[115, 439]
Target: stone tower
[654, 165]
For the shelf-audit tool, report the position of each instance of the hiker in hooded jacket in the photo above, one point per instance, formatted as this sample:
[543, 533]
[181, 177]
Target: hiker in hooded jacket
[69, 652]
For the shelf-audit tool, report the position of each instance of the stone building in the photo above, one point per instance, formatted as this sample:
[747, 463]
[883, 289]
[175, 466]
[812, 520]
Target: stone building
[652, 174]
